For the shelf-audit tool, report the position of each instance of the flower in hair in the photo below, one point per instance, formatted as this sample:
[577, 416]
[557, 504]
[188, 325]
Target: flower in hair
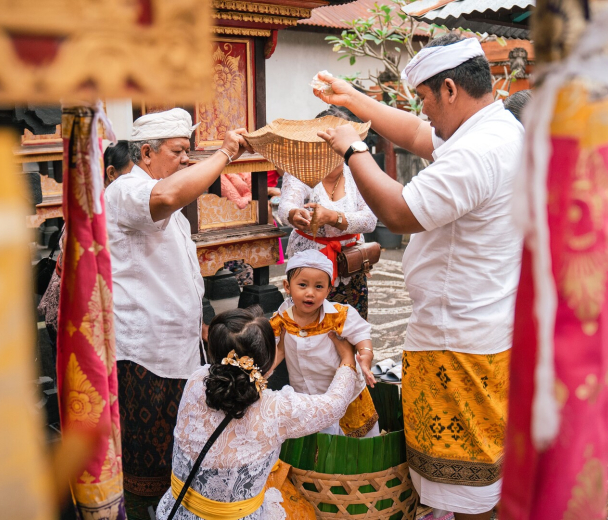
[247, 365]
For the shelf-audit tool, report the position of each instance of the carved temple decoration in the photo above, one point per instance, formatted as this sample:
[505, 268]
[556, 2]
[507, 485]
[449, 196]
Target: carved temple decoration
[50, 207]
[233, 83]
[258, 246]
[243, 31]
[253, 7]
[86, 49]
[219, 212]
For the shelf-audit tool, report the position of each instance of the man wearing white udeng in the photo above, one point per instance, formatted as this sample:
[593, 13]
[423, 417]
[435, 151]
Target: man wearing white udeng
[461, 267]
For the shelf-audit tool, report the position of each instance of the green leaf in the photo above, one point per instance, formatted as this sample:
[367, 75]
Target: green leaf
[331, 38]
[503, 93]
[336, 47]
[501, 41]
[353, 60]
[342, 57]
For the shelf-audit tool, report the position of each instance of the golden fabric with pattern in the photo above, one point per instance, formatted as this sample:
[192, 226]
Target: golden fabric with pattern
[360, 416]
[454, 410]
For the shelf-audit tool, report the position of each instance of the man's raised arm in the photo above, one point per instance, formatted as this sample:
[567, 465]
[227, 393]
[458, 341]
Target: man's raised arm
[403, 129]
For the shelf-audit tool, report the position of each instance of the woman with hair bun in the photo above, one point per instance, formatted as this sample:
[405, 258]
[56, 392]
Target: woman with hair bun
[231, 393]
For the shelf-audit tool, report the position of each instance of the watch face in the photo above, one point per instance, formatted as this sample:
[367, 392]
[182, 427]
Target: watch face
[360, 146]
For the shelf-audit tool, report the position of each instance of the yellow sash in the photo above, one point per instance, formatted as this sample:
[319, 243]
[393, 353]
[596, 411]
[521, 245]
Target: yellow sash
[212, 510]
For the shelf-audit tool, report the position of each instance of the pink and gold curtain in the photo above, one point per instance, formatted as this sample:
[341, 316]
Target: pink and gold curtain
[557, 431]
[86, 359]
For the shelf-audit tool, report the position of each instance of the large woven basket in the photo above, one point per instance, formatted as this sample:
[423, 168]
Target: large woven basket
[295, 147]
[345, 477]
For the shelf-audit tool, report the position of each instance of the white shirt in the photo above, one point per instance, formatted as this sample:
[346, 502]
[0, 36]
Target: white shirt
[312, 359]
[158, 287]
[462, 272]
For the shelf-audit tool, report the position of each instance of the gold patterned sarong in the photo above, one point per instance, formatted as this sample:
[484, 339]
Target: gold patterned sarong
[360, 416]
[454, 409]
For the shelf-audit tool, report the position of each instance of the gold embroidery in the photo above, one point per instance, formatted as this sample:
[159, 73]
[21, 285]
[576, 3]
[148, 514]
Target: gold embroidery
[589, 390]
[252, 7]
[84, 404]
[98, 324]
[96, 248]
[330, 322]
[582, 278]
[588, 500]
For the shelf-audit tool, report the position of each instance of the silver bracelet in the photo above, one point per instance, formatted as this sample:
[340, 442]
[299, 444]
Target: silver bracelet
[226, 154]
[366, 348]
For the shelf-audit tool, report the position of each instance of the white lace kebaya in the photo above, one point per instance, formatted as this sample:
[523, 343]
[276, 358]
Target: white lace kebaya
[238, 464]
[294, 194]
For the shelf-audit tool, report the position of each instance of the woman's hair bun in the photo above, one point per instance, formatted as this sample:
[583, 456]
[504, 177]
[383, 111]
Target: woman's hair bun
[248, 333]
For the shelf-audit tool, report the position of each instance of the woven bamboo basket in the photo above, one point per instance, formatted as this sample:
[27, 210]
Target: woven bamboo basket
[345, 477]
[295, 147]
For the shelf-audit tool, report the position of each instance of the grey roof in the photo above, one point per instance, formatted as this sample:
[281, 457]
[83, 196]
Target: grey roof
[491, 16]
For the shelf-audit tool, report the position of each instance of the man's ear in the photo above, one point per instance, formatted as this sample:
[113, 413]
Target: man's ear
[111, 173]
[146, 150]
[452, 90]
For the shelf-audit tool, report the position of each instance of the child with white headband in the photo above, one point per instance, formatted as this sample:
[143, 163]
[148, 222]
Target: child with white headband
[307, 319]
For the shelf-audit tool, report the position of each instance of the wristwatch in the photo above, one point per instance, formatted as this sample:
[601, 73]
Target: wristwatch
[339, 219]
[357, 146]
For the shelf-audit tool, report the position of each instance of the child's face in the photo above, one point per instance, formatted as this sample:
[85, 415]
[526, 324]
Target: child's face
[308, 289]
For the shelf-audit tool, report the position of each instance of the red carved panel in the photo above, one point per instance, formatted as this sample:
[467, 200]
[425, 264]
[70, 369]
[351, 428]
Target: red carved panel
[233, 106]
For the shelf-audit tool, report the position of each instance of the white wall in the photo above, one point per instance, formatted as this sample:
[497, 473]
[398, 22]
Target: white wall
[289, 71]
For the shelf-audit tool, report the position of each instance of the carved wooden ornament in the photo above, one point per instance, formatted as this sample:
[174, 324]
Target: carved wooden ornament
[73, 50]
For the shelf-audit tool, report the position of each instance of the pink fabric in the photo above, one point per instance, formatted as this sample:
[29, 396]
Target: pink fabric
[273, 178]
[567, 481]
[236, 187]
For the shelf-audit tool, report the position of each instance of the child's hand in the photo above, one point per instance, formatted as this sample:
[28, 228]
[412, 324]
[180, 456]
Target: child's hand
[365, 358]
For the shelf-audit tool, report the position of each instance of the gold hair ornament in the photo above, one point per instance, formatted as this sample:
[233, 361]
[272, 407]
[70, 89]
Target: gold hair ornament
[246, 364]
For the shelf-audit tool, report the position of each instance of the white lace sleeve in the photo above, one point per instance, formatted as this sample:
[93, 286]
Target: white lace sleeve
[362, 220]
[294, 194]
[301, 414]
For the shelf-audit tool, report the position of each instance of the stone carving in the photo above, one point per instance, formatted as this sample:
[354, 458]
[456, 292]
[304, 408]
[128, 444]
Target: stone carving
[518, 60]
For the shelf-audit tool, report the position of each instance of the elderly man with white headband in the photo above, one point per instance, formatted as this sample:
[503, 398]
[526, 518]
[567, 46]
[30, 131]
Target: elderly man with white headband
[158, 287]
[461, 267]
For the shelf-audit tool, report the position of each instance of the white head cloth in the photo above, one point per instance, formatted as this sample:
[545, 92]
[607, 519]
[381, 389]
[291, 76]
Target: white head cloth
[433, 60]
[311, 258]
[163, 125]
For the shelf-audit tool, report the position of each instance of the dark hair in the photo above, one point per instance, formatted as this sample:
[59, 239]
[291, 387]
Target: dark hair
[516, 102]
[473, 75]
[117, 155]
[248, 333]
[342, 112]
[345, 113]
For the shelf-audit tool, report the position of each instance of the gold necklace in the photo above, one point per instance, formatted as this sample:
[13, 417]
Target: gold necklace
[336, 185]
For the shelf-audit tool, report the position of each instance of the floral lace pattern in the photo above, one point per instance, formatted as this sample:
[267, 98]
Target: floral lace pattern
[360, 218]
[238, 464]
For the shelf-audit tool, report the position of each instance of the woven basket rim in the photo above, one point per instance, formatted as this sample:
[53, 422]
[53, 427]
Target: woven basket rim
[304, 130]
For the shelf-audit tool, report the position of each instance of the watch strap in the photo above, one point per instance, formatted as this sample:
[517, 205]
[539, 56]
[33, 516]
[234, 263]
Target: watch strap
[348, 154]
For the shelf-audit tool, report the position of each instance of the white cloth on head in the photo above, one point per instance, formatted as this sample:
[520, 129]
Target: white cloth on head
[163, 125]
[311, 258]
[158, 287]
[462, 272]
[433, 60]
